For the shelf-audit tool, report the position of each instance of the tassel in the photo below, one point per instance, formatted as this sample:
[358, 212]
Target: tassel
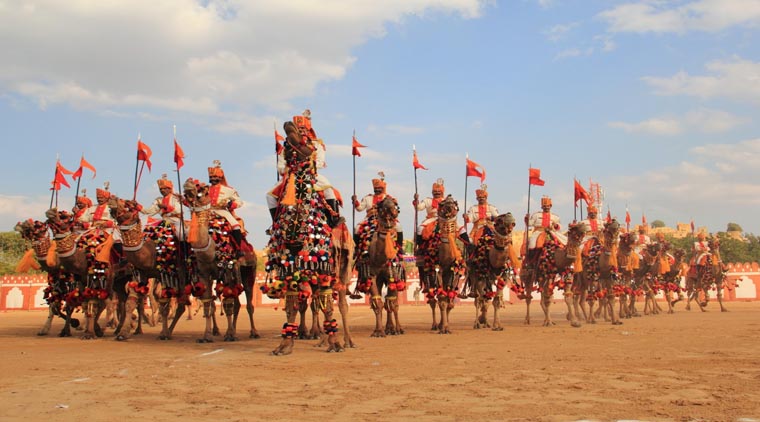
[634, 261]
[578, 265]
[513, 256]
[454, 249]
[52, 255]
[613, 256]
[664, 265]
[103, 251]
[290, 191]
[194, 232]
[28, 262]
[390, 245]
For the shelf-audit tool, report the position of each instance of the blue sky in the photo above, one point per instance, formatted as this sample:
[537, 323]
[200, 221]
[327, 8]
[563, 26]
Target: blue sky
[655, 100]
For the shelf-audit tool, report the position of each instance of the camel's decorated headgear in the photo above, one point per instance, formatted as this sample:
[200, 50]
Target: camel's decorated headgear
[103, 193]
[438, 187]
[164, 182]
[546, 202]
[591, 209]
[482, 192]
[379, 182]
[84, 200]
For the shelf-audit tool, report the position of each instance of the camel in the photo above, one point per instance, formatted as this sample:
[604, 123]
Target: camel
[600, 279]
[628, 264]
[215, 261]
[300, 262]
[441, 264]
[649, 277]
[707, 274]
[672, 279]
[76, 254]
[553, 260]
[59, 293]
[154, 253]
[380, 267]
[490, 266]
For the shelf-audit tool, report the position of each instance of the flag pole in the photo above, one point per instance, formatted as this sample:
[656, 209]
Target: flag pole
[466, 157]
[527, 216]
[55, 173]
[416, 195]
[79, 180]
[276, 154]
[353, 209]
[181, 254]
[137, 165]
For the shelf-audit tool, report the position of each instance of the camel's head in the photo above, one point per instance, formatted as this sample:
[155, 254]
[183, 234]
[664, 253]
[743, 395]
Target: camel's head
[124, 211]
[575, 233]
[31, 229]
[504, 224]
[196, 193]
[59, 221]
[714, 243]
[448, 208]
[627, 241]
[387, 212]
[679, 254]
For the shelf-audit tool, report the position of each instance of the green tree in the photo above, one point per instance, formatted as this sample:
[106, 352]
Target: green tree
[656, 224]
[733, 227]
[12, 248]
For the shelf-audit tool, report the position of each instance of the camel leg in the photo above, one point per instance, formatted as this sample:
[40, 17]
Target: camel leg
[719, 296]
[443, 308]
[290, 328]
[376, 303]
[433, 306]
[129, 307]
[316, 331]
[228, 303]
[184, 303]
[249, 308]
[348, 340]
[610, 306]
[208, 315]
[498, 300]
[546, 301]
[570, 303]
[330, 325]
[49, 321]
[89, 313]
[163, 308]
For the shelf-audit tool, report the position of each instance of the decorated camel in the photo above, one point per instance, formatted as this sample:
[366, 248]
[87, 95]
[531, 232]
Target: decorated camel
[300, 262]
[552, 268]
[597, 278]
[490, 267]
[671, 280]
[706, 273]
[628, 264]
[61, 293]
[649, 276]
[379, 266]
[441, 264]
[77, 254]
[218, 268]
[154, 253]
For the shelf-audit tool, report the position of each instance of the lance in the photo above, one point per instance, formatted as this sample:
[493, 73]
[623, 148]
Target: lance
[53, 191]
[416, 195]
[353, 209]
[467, 157]
[181, 254]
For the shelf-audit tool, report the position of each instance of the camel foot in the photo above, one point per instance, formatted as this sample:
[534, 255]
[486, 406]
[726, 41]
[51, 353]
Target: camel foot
[111, 324]
[476, 326]
[497, 329]
[121, 338]
[723, 310]
[98, 331]
[549, 323]
[378, 333]
[335, 348]
[444, 331]
[230, 337]
[617, 322]
[164, 337]
[350, 344]
[65, 333]
[42, 333]
[401, 330]
[703, 304]
[434, 327]
[285, 348]
[215, 332]
[576, 324]
[137, 332]
[87, 336]
[204, 340]
[254, 335]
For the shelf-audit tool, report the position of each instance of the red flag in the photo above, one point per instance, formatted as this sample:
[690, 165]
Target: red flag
[60, 179]
[179, 155]
[355, 145]
[278, 140]
[643, 219]
[581, 193]
[609, 217]
[627, 218]
[692, 226]
[416, 163]
[144, 153]
[534, 177]
[476, 170]
[83, 164]
[63, 170]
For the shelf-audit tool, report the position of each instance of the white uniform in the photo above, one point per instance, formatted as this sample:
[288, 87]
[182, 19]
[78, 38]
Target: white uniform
[593, 228]
[99, 216]
[539, 224]
[224, 199]
[430, 206]
[169, 208]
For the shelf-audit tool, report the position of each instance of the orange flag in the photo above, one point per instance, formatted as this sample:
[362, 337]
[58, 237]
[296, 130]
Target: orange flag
[581, 193]
[83, 164]
[476, 170]
[355, 145]
[416, 162]
[278, 140]
[534, 177]
[179, 155]
[143, 153]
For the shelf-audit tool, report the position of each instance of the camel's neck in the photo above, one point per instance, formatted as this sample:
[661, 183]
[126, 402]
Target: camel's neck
[201, 217]
[447, 226]
[41, 247]
[66, 244]
[132, 236]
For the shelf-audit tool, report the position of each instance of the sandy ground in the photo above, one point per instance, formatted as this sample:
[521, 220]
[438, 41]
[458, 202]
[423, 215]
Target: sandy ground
[689, 366]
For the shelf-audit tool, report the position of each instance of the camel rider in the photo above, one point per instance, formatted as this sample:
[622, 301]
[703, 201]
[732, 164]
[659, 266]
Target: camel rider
[642, 240]
[369, 204]
[480, 214]
[322, 185]
[701, 250]
[430, 206]
[167, 205]
[81, 205]
[594, 226]
[224, 201]
[543, 223]
[99, 217]
[666, 258]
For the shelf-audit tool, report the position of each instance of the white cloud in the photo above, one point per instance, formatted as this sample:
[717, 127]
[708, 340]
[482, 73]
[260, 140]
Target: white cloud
[681, 17]
[191, 56]
[736, 79]
[703, 120]
[558, 32]
[652, 126]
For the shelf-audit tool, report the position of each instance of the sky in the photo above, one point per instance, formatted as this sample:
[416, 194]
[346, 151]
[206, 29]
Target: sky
[655, 100]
